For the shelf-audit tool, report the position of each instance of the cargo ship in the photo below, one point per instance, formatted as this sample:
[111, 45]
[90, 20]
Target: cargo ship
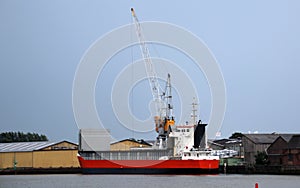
[178, 149]
[177, 157]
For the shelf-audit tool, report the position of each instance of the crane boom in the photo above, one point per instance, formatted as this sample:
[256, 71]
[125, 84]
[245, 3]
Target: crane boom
[155, 89]
[163, 101]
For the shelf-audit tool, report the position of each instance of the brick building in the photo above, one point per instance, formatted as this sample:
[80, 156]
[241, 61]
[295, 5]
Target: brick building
[254, 143]
[285, 151]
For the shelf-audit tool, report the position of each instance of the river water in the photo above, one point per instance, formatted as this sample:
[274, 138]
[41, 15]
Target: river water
[149, 181]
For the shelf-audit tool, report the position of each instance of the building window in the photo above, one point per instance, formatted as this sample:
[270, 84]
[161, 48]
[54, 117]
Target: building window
[290, 157]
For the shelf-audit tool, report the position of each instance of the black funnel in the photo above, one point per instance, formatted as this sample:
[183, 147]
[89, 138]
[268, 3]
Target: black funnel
[199, 135]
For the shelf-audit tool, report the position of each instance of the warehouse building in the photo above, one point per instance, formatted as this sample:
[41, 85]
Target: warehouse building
[285, 151]
[254, 143]
[128, 144]
[38, 155]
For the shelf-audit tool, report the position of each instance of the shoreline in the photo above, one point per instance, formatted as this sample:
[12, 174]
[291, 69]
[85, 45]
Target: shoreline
[260, 169]
[33, 171]
[255, 170]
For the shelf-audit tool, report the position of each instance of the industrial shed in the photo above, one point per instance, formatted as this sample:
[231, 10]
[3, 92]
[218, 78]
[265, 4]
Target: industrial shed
[38, 155]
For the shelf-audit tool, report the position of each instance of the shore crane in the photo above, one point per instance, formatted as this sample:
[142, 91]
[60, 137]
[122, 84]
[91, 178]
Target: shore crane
[163, 100]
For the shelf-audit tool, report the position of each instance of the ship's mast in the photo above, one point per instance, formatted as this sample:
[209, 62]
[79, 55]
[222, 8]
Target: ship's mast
[194, 111]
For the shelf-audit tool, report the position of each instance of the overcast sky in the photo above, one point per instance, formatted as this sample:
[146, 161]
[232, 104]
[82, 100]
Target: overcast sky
[256, 44]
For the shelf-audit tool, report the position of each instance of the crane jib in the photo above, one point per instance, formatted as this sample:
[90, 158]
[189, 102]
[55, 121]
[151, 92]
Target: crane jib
[163, 101]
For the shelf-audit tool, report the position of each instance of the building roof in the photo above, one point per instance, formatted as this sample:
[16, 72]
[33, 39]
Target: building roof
[26, 146]
[133, 140]
[294, 142]
[287, 137]
[221, 141]
[267, 138]
[151, 142]
[211, 143]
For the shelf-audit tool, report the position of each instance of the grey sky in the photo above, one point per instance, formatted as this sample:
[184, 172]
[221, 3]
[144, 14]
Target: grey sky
[256, 44]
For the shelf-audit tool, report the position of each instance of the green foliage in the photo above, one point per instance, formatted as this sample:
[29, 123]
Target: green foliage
[236, 135]
[261, 158]
[7, 137]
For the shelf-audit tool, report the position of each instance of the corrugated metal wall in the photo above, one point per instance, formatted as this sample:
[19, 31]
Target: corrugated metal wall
[40, 159]
[128, 155]
[94, 140]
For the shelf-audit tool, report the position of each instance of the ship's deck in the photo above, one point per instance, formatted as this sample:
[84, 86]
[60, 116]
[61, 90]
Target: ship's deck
[149, 154]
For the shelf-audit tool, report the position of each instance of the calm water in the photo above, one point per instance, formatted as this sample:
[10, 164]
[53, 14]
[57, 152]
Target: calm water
[151, 181]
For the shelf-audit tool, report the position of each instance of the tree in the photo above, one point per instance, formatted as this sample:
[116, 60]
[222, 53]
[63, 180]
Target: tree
[7, 137]
[236, 135]
[261, 158]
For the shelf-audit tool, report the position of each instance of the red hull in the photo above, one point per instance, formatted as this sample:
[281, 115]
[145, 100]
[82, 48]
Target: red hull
[149, 166]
